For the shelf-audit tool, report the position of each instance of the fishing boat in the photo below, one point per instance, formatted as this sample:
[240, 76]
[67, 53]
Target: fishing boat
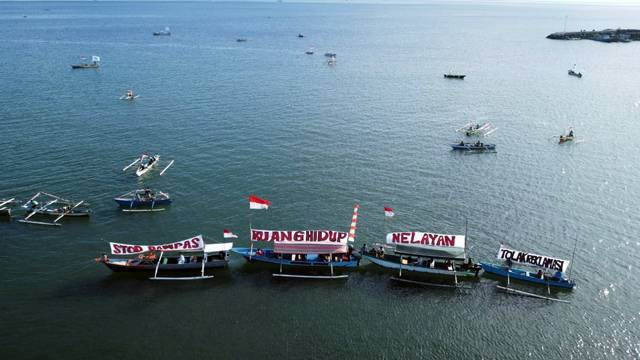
[564, 138]
[241, 40]
[46, 204]
[423, 253]
[551, 271]
[300, 36]
[143, 200]
[330, 55]
[477, 129]
[129, 96]
[575, 73]
[165, 32]
[309, 52]
[95, 63]
[454, 76]
[331, 60]
[5, 207]
[309, 250]
[146, 162]
[477, 146]
[188, 256]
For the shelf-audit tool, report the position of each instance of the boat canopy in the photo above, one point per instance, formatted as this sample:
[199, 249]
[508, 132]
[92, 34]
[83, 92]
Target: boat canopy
[428, 244]
[303, 241]
[529, 259]
[195, 243]
[211, 248]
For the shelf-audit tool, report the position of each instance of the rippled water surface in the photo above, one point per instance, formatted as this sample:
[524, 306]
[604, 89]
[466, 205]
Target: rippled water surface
[263, 117]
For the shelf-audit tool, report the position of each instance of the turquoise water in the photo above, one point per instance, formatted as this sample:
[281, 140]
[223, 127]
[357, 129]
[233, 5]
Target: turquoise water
[262, 117]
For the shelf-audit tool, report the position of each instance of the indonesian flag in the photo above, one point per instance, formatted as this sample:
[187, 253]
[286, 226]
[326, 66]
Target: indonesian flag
[257, 203]
[229, 235]
[388, 212]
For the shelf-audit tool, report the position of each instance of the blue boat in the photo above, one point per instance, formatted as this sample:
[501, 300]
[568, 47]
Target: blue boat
[477, 146]
[303, 260]
[143, 198]
[556, 280]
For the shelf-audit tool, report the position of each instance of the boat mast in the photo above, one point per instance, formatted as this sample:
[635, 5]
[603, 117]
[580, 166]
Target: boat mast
[575, 245]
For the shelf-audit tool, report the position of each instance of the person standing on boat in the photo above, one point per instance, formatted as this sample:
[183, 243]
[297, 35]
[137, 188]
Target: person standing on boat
[571, 132]
[181, 260]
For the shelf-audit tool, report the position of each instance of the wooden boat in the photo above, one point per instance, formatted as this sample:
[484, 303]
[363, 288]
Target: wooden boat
[574, 73]
[454, 76]
[5, 209]
[300, 36]
[564, 138]
[199, 257]
[51, 205]
[309, 52]
[551, 271]
[165, 32]
[241, 40]
[146, 162]
[330, 55]
[129, 96]
[421, 253]
[147, 199]
[477, 129]
[477, 146]
[95, 63]
[320, 250]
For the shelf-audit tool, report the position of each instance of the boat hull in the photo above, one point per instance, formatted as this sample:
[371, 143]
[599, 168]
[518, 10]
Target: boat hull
[134, 203]
[85, 66]
[125, 265]
[396, 265]
[459, 77]
[54, 212]
[270, 257]
[472, 147]
[525, 276]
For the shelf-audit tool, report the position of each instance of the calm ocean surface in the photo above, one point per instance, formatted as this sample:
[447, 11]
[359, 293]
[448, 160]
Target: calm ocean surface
[262, 117]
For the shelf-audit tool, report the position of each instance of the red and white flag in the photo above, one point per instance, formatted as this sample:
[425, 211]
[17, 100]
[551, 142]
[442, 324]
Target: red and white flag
[388, 212]
[257, 203]
[229, 235]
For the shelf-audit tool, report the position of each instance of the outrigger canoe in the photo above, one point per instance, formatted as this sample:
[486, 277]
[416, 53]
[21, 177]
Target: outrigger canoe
[200, 256]
[454, 76]
[46, 204]
[565, 138]
[143, 198]
[147, 162]
[473, 146]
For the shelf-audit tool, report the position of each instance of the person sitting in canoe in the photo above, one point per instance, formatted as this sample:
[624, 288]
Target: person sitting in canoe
[129, 94]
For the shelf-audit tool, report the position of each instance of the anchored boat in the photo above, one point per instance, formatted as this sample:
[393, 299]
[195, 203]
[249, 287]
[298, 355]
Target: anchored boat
[143, 200]
[477, 129]
[309, 250]
[575, 73]
[146, 163]
[193, 256]
[129, 96]
[47, 204]
[564, 138]
[423, 253]
[454, 76]
[95, 63]
[165, 32]
[551, 271]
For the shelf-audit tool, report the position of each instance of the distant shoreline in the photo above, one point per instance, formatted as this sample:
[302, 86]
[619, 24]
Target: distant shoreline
[607, 35]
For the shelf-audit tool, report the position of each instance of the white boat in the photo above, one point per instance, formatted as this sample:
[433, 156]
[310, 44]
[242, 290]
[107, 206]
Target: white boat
[147, 162]
[477, 129]
[129, 96]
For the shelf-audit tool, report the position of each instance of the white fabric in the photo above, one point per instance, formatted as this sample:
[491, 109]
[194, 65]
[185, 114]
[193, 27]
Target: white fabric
[210, 248]
[300, 237]
[427, 240]
[193, 244]
[541, 261]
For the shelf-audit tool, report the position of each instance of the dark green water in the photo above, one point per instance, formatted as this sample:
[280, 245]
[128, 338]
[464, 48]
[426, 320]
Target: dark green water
[262, 117]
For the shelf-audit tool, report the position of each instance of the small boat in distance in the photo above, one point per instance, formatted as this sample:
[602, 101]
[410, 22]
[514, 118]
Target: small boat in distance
[329, 54]
[477, 146]
[300, 36]
[46, 204]
[477, 129]
[165, 32]
[331, 60]
[143, 200]
[454, 76]
[564, 138]
[95, 63]
[575, 73]
[200, 256]
[147, 162]
[129, 96]
[241, 40]
[309, 52]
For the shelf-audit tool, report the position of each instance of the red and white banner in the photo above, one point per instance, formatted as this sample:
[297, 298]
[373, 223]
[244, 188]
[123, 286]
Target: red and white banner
[388, 212]
[422, 239]
[305, 236]
[258, 203]
[521, 257]
[193, 244]
[229, 235]
[354, 221]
